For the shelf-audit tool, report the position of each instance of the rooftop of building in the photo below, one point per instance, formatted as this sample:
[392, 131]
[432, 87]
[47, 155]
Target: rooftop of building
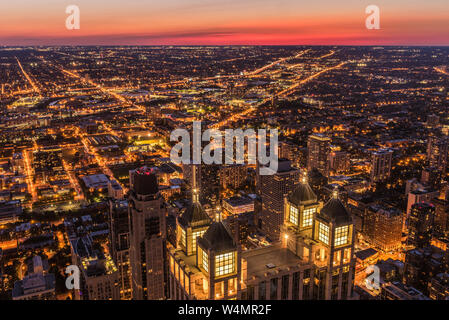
[34, 283]
[405, 292]
[238, 201]
[366, 254]
[145, 181]
[303, 194]
[194, 215]
[269, 259]
[334, 211]
[217, 238]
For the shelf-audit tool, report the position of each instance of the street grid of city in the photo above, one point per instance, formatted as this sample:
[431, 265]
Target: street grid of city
[86, 177]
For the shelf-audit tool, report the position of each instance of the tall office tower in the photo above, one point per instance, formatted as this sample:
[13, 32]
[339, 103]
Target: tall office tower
[318, 148]
[339, 161]
[437, 152]
[147, 218]
[99, 277]
[381, 165]
[273, 189]
[119, 244]
[441, 219]
[420, 225]
[382, 226]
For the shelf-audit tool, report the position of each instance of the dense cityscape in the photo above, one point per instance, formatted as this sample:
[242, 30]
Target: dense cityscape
[357, 210]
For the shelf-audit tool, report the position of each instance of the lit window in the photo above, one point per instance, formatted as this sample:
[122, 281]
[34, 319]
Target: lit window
[341, 235]
[307, 217]
[183, 237]
[205, 261]
[294, 215]
[224, 264]
[323, 233]
[195, 236]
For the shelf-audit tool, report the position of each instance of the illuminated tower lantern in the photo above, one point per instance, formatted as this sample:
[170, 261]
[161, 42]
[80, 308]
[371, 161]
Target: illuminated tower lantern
[147, 236]
[219, 260]
[192, 223]
[301, 206]
[334, 231]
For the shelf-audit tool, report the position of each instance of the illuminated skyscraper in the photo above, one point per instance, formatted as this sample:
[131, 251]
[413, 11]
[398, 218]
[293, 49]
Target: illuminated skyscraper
[147, 236]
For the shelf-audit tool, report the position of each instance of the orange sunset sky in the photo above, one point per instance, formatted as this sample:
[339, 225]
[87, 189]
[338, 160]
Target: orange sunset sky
[224, 22]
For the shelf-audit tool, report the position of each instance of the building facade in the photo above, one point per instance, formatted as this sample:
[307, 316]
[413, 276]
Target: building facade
[147, 233]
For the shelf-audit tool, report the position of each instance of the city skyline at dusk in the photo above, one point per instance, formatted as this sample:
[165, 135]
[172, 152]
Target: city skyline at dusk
[208, 22]
[260, 154]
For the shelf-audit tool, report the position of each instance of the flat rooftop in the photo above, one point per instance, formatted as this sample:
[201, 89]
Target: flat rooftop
[260, 261]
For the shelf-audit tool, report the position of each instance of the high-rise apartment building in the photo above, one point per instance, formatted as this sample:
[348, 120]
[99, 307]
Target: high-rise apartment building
[339, 161]
[383, 227]
[441, 219]
[420, 224]
[381, 165]
[318, 148]
[437, 152]
[290, 151]
[420, 195]
[147, 218]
